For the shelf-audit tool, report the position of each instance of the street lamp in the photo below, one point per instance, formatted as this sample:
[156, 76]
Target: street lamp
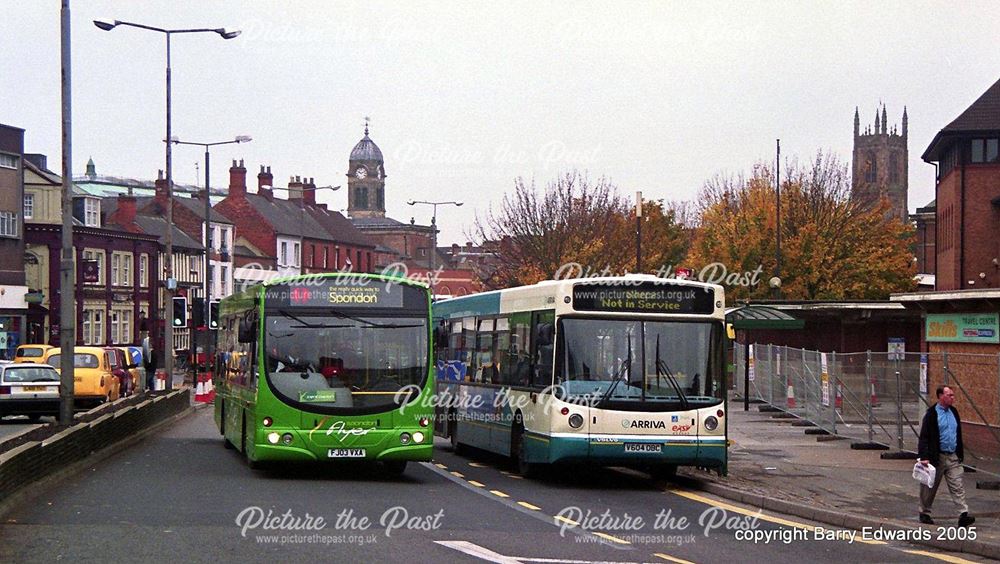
[208, 226]
[168, 329]
[434, 205]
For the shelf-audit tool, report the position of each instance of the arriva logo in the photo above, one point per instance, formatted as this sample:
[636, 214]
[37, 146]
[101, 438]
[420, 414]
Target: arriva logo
[629, 424]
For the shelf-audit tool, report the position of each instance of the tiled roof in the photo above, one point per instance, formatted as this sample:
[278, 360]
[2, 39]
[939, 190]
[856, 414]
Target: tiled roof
[339, 227]
[982, 116]
[285, 217]
[158, 226]
[198, 207]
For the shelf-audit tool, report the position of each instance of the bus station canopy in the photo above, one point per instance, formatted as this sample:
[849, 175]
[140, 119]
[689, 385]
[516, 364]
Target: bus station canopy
[761, 317]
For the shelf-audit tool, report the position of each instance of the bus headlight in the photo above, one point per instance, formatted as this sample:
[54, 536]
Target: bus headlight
[404, 438]
[273, 438]
[418, 437]
[711, 423]
[576, 421]
[287, 438]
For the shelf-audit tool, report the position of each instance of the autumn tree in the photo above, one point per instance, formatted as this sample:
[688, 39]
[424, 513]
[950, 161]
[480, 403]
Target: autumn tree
[832, 247]
[572, 227]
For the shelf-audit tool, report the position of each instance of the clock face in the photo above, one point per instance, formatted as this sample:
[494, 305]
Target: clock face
[361, 172]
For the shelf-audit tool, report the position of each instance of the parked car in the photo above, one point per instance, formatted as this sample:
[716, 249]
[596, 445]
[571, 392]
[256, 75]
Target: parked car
[139, 360]
[132, 367]
[30, 389]
[30, 353]
[94, 381]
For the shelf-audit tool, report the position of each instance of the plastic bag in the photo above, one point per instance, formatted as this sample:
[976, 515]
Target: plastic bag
[924, 474]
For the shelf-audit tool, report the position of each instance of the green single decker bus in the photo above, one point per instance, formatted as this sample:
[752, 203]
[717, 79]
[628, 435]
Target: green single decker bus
[326, 367]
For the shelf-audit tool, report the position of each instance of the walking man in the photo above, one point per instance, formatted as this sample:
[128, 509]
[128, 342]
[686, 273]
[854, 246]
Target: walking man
[941, 445]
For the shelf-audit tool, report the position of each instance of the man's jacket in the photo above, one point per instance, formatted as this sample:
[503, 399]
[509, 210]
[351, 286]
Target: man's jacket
[929, 446]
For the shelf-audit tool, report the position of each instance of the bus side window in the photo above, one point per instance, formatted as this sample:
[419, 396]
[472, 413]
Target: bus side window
[518, 366]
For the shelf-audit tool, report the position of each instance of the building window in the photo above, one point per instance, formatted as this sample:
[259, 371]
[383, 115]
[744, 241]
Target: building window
[97, 256]
[144, 270]
[115, 261]
[337, 264]
[93, 327]
[91, 212]
[870, 168]
[893, 168]
[8, 224]
[312, 254]
[29, 206]
[224, 280]
[326, 257]
[358, 256]
[295, 255]
[126, 334]
[113, 321]
[992, 150]
[224, 239]
[284, 253]
[126, 269]
[8, 161]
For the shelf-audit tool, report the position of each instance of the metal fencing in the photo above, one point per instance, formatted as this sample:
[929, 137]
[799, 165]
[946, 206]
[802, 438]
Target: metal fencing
[878, 398]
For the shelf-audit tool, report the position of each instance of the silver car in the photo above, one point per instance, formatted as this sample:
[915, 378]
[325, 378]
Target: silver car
[29, 389]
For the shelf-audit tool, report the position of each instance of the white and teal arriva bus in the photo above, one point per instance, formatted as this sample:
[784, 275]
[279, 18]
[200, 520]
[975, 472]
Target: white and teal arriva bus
[622, 371]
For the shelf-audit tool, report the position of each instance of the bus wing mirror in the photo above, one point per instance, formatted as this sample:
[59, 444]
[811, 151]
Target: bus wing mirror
[730, 331]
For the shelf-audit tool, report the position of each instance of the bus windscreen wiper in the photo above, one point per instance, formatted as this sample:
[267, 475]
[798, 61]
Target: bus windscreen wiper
[372, 323]
[626, 367]
[663, 370]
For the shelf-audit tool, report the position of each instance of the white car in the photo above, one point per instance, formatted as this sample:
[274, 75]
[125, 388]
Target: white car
[29, 389]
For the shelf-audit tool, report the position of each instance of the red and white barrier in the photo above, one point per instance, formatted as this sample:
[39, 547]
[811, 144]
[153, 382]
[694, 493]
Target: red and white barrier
[204, 391]
[790, 395]
[160, 381]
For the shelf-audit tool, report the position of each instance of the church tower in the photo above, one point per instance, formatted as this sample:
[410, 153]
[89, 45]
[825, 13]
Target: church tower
[880, 164]
[366, 179]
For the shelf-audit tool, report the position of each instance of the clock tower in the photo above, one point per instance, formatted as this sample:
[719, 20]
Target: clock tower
[366, 179]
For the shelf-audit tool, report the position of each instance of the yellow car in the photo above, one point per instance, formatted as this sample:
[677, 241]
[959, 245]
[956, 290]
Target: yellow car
[31, 353]
[94, 380]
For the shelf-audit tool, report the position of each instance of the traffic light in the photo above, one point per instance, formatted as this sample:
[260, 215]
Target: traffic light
[180, 311]
[197, 312]
[213, 314]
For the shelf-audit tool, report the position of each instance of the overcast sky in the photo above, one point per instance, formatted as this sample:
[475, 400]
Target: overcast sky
[464, 97]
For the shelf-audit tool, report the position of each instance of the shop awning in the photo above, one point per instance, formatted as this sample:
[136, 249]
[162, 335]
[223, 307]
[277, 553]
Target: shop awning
[761, 317]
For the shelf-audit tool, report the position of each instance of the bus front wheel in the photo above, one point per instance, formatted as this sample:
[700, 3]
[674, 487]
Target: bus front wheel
[519, 451]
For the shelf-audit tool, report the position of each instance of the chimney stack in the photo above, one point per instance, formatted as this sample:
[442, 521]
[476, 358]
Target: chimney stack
[124, 215]
[264, 178]
[309, 192]
[160, 199]
[295, 188]
[237, 179]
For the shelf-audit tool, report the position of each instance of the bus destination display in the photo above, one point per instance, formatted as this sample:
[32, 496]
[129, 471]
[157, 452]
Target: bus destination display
[334, 293]
[647, 297]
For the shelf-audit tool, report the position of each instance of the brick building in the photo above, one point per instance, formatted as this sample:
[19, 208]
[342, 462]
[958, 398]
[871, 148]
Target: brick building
[12, 287]
[300, 234]
[114, 300]
[966, 153]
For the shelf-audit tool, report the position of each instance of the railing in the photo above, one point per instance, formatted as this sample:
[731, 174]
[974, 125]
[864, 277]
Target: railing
[878, 398]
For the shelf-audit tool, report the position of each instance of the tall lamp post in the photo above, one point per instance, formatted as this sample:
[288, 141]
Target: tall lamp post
[67, 285]
[434, 205]
[208, 226]
[168, 327]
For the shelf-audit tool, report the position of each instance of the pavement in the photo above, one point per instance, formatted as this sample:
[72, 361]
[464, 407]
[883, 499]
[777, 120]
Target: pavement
[775, 465]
